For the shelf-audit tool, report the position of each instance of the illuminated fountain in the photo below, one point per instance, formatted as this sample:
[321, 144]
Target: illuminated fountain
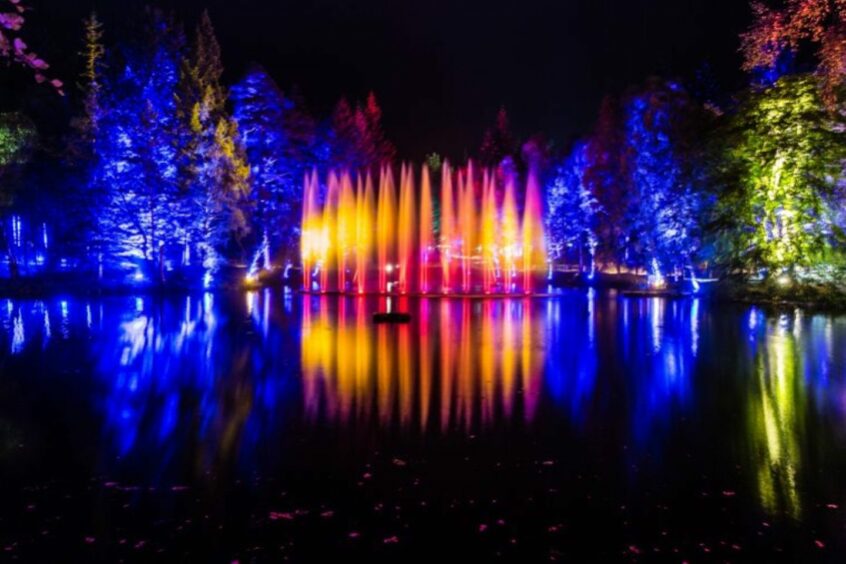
[474, 234]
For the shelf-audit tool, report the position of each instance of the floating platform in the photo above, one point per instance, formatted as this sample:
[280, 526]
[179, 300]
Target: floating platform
[391, 317]
[672, 294]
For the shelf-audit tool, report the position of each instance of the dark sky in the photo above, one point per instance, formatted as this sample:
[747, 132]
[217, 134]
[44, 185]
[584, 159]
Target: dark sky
[442, 68]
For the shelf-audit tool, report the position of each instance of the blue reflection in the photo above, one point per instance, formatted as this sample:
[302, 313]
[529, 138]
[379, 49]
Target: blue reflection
[571, 368]
[660, 376]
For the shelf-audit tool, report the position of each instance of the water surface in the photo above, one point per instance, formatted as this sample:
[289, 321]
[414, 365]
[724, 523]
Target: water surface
[265, 426]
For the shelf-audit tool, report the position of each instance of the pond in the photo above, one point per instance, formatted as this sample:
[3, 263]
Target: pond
[271, 425]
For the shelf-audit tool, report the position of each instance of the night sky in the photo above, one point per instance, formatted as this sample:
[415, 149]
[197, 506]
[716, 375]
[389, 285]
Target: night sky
[441, 69]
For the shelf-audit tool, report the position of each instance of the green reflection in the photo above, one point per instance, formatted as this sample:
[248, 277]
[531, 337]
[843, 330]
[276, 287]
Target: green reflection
[777, 410]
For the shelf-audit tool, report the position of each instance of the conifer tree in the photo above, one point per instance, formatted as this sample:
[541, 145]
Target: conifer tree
[213, 169]
[498, 141]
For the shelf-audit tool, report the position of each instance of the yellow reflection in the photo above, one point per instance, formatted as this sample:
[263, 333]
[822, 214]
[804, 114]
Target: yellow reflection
[776, 412]
[459, 364]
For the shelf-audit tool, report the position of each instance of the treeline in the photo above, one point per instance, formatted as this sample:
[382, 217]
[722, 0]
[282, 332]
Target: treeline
[168, 174]
[754, 187]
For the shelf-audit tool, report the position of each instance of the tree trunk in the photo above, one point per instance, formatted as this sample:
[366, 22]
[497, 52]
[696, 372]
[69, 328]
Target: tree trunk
[14, 271]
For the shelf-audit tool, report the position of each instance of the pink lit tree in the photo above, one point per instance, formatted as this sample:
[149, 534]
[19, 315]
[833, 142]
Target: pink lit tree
[12, 46]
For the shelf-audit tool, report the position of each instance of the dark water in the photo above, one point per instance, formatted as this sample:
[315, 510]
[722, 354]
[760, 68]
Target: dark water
[270, 426]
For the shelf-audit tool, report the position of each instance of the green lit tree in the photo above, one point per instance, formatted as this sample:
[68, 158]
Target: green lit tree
[17, 141]
[214, 173]
[783, 161]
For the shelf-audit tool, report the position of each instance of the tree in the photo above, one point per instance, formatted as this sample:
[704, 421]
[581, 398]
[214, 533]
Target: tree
[17, 141]
[383, 151]
[343, 136]
[357, 140]
[776, 31]
[262, 112]
[14, 48]
[785, 152]
[603, 176]
[213, 169]
[572, 208]
[498, 141]
[93, 53]
[143, 213]
[79, 227]
[664, 199]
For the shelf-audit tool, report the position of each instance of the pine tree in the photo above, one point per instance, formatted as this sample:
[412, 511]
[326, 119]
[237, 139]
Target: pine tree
[262, 111]
[344, 137]
[79, 229]
[498, 141]
[213, 168]
[603, 174]
[383, 150]
[93, 54]
[572, 209]
[664, 200]
[140, 220]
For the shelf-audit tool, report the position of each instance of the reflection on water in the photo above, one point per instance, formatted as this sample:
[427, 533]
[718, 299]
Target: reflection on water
[461, 364]
[219, 378]
[776, 413]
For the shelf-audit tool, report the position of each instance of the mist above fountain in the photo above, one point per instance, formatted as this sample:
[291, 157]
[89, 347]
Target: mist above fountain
[475, 233]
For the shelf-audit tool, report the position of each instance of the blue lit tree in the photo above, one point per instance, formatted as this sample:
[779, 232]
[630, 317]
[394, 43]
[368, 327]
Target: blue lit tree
[140, 219]
[18, 139]
[665, 197]
[262, 113]
[572, 209]
[213, 172]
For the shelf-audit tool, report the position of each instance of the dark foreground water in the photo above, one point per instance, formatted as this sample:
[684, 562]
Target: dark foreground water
[269, 426]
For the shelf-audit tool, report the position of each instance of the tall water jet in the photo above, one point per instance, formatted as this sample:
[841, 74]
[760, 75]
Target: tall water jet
[309, 239]
[385, 228]
[426, 225]
[328, 230]
[480, 241]
[447, 227]
[364, 231]
[347, 231]
[466, 217]
[510, 236]
[406, 232]
[488, 229]
[534, 251]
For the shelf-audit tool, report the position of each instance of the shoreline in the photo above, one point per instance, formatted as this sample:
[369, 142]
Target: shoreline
[812, 297]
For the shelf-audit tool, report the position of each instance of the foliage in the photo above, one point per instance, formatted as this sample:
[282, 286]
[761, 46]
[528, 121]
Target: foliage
[498, 141]
[820, 22]
[357, 140]
[17, 139]
[213, 172]
[785, 150]
[572, 207]
[14, 48]
[93, 53]
[136, 175]
[603, 169]
[664, 199]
